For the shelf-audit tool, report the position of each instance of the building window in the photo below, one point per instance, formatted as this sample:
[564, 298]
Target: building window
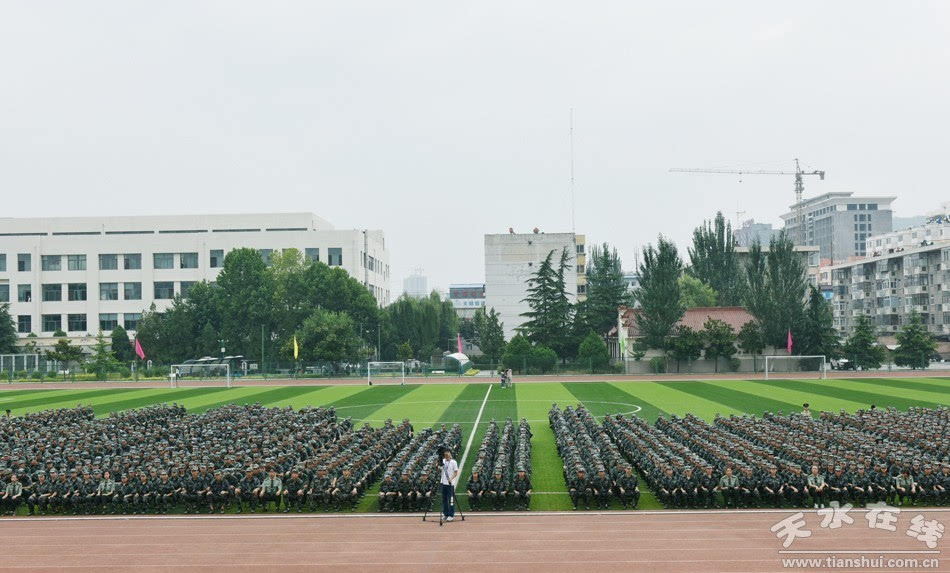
[335, 257]
[76, 322]
[266, 255]
[164, 260]
[76, 262]
[108, 262]
[132, 262]
[52, 293]
[3, 263]
[4, 293]
[188, 260]
[24, 293]
[108, 291]
[76, 291]
[186, 287]
[312, 255]
[164, 290]
[24, 324]
[133, 291]
[24, 262]
[52, 322]
[217, 258]
[51, 262]
[132, 320]
[852, 207]
[108, 321]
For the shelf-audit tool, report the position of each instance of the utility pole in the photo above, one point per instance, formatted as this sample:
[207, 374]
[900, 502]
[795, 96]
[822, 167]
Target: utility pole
[262, 352]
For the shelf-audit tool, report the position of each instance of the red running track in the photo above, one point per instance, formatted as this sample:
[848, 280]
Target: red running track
[670, 541]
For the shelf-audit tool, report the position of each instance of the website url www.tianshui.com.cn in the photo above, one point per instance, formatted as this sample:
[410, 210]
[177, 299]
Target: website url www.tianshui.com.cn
[860, 562]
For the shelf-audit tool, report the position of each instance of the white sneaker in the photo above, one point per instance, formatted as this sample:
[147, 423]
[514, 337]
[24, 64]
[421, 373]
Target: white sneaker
[449, 518]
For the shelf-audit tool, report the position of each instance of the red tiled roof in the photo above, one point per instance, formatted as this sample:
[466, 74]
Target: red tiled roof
[695, 318]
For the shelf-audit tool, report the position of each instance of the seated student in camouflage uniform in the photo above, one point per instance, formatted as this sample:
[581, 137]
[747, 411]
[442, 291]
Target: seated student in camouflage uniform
[270, 490]
[12, 495]
[600, 488]
[729, 487]
[943, 483]
[144, 499]
[667, 487]
[318, 493]
[521, 486]
[124, 492]
[627, 488]
[476, 489]
[62, 493]
[405, 493]
[246, 492]
[905, 488]
[706, 489]
[344, 491]
[387, 494]
[106, 492]
[749, 488]
[838, 486]
[796, 487]
[689, 485]
[219, 492]
[498, 490]
[89, 493]
[580, 489]
[882, 485]
[860, 487]
[165, 496]
[192, 487]
[295, 491]
[927, 486]
[817, 488]
[39, 497]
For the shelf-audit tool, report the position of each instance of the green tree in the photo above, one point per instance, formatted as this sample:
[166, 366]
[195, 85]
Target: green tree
[59, 333]
[404, 351]
[122, 346]
[915, 344]
[330, 337]
[720, 340]
[594, 351]
[247, 305]
[695, 293]
[550, 315]
[65, 353]
[102, 361]
[714, 261]
[751, 341]
[517, 353]
[8, 337]
[776, 288]
[489, 333]
[429, 324]
[818, 335]
[862, 348]
[659, 293]
[686, 345]
[606, 290]
[208, 343]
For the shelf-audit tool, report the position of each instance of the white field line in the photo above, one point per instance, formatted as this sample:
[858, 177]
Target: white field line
[471, 436]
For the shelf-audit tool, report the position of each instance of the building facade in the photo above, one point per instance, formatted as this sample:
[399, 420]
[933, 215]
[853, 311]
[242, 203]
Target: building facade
[840, 224]
[751, 232]
[887, 288]
[416, 285]
[83, 275]
[934, 228]
[512, 259]
[467, 298]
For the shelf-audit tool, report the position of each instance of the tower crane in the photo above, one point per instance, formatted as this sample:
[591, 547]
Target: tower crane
[799, 186]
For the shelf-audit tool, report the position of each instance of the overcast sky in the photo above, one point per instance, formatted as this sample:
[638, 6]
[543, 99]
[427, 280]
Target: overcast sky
[439, 122]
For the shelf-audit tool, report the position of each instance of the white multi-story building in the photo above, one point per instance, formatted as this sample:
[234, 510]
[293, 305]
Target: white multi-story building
[934, 228]
[416, 285]
[839, 223]
[512, 259]
[86, 274]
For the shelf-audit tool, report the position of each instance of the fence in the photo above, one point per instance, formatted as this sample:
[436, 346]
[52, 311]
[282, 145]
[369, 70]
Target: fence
[32, 366]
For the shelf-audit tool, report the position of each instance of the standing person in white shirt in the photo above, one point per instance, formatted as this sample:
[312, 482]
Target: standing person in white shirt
[450, 473]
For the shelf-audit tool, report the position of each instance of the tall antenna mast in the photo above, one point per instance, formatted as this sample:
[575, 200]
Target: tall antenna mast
[572, 171]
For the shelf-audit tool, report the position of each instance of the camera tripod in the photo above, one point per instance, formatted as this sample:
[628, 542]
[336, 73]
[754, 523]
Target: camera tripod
[454, 499]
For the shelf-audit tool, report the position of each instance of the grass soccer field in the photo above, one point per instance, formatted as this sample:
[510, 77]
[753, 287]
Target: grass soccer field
[461, 403]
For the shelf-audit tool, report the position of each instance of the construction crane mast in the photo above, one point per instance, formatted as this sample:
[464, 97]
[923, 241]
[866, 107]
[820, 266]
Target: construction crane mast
[799, 186]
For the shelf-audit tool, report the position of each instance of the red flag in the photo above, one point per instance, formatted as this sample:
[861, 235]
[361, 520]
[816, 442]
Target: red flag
[789, 340]
[459, 341]
[138, 350]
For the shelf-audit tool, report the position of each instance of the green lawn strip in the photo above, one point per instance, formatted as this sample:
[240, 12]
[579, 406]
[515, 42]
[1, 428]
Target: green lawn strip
[776, 389]
[263, 396]
[658, 399]
[595, 398]
[905, 388]
[104, 406]
[925, 384]
[46, 400]
[750, 403]
[321, 396]
[10, 395]
[856, 392]
[371, 398]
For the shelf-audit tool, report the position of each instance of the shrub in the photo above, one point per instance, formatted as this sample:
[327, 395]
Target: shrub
[658, 365]
[36, 375]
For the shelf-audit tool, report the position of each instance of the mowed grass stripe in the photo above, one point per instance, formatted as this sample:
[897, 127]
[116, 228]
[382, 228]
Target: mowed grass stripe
[500, 404]
[463, 412]
[361, 404]
[534, 402]
[940, 391]
[60, 399]
[747, 402]
[264, 396]
[852, 391]
[104, 406]
[656, 400]
[321, 396]
[423, 406]
[777, 390]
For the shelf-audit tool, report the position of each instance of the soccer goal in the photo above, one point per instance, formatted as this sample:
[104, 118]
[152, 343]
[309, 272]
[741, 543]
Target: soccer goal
[379, 372]
[791, 366]
[199, 371]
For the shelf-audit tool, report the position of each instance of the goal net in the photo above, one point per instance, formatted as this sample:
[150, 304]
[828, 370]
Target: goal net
[795, 366]
[199, 372]
[382, 372]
